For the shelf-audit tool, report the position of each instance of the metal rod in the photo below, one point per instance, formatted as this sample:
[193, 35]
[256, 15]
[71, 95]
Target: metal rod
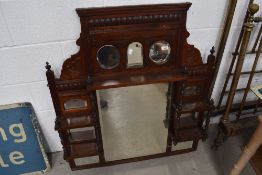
[250, 79]
[258, 19]
[237, 90]
[233, 59]
[228, 21]
[248, 27]
[251, 52]
[248, 72]
[257, 39]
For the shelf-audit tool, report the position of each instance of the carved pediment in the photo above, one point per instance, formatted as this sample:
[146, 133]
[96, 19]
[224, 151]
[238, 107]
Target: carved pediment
[120, 26]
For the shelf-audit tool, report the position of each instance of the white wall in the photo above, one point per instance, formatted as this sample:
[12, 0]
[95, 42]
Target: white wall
[33, 32]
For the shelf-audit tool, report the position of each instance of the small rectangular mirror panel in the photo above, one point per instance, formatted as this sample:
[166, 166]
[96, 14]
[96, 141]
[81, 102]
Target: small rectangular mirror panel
[75, 104]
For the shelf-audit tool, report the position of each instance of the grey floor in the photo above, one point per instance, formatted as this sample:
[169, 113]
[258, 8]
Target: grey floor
[133, 114]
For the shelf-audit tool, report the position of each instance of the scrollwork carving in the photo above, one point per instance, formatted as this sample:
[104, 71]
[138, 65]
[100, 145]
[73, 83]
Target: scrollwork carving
[192, 55]
[72, 68]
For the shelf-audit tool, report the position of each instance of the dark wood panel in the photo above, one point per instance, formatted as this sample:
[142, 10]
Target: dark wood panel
[188, 122]
[189, 134]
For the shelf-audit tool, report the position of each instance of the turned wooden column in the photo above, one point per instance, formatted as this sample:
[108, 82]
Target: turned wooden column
[249, 150]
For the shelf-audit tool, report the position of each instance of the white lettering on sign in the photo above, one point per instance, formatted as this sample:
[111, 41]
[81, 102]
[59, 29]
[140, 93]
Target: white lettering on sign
[16, 130]
[20, 133]
[2, 132]
[16, 158]
[2, 163]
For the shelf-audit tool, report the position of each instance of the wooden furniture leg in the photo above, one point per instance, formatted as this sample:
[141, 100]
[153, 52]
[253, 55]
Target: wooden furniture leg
[249, 150]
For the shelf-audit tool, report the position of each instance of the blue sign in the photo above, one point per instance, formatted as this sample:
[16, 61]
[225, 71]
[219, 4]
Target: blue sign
[21, 148]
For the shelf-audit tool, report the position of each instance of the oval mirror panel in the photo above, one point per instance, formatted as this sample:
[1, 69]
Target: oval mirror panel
[108, 57]
[159, 52]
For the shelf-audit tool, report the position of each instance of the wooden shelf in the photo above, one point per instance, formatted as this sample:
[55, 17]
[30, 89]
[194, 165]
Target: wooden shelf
[77, 122]
[82, 150]
[123, 79]
[82, 137]
[120, 79]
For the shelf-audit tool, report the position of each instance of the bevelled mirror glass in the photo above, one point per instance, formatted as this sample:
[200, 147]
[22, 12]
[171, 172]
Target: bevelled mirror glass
[134, 55]
[75, 104]
[159, 52]
[129, 131]
[108, 57]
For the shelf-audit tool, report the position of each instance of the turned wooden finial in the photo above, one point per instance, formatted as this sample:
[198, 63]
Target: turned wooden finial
[48, 66]
[211, 57]
[212, 51]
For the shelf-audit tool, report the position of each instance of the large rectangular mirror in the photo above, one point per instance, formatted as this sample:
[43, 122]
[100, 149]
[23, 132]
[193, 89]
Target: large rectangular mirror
[132, 122]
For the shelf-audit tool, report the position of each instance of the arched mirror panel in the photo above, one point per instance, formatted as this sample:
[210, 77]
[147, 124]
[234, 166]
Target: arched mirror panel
[135, 55]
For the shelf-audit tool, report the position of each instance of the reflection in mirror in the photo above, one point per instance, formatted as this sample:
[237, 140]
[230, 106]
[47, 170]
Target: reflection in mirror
[159, 52]
[75, 104]
[134, 55]
[136, 129]
[108, 57]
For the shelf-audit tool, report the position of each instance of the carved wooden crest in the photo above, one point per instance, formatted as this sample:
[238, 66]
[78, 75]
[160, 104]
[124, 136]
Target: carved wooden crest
[120, 26]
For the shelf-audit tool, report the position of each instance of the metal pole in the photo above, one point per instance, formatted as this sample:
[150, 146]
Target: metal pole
[257, 39]
[250, 79]
[248, 27]
[229, 17]
[233, 59]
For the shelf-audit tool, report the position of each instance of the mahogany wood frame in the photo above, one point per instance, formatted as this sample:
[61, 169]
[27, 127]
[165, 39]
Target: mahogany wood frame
[120, 26]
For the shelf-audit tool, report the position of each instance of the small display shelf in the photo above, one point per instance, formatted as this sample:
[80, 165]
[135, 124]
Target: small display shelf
[78, 137]
[77, 122]
[82, 150]
[124, 79]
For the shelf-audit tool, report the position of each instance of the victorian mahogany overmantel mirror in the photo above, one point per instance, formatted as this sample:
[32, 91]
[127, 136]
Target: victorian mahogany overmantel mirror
[126, 54]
